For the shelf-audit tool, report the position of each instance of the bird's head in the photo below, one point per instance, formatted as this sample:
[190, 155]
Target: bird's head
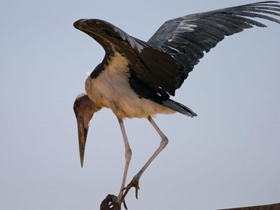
[89, 26]
[84, 109]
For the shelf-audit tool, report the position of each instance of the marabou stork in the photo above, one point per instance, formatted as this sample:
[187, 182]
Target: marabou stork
[137, 78]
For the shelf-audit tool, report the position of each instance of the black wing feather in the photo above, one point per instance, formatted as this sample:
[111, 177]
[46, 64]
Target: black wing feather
[192, 35]
[163, 63]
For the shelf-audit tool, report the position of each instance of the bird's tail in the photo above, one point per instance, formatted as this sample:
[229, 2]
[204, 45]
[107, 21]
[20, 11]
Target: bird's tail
[178, 107]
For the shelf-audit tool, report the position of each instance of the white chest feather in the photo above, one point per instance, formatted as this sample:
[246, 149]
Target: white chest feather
[111, 89]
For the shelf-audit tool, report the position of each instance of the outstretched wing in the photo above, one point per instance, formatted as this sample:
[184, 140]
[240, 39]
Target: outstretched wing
[188, 38]
[164, 62]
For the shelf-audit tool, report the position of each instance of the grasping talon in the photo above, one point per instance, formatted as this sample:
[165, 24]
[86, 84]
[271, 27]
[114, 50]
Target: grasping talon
[109, 203]
[134, 183]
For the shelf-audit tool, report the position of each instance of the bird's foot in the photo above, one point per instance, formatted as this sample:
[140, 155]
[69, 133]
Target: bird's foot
[134, 183]
[110, 203]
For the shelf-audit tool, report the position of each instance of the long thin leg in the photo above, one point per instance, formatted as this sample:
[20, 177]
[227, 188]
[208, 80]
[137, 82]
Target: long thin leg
[128, 154]
[135, 181]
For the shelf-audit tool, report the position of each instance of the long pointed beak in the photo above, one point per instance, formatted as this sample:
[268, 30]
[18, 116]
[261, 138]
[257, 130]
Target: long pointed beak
[84, 109]
[82, 135]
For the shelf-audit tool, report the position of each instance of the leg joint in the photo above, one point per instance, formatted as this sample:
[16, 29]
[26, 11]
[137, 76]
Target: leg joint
[164, 141]
[128, 154]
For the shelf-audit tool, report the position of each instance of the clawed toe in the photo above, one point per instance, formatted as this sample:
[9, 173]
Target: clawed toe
[134, 183]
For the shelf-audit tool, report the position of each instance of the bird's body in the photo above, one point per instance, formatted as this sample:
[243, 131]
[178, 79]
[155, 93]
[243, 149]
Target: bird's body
[111, 89]
[136, 79]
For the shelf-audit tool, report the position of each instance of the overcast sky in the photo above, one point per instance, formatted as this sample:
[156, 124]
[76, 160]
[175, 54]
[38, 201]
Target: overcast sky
[226, 157]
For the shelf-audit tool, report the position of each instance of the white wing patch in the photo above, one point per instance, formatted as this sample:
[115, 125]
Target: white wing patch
[133, 43]
[186, 26]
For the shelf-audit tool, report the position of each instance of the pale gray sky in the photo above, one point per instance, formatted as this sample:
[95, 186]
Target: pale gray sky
[228, 156]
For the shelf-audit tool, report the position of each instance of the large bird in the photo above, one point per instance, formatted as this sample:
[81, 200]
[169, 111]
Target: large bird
[137, 78]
